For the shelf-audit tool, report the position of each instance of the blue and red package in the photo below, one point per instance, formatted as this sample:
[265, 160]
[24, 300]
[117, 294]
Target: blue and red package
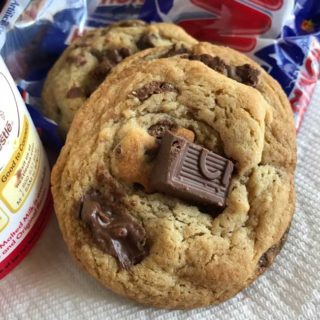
[283, 36]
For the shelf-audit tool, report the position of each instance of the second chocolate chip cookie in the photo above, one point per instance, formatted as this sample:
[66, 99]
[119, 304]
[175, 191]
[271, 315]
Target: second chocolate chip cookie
[89, 59]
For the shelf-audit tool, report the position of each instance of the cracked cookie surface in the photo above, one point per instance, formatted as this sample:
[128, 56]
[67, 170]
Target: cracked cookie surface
[195, 257]
[89, 59]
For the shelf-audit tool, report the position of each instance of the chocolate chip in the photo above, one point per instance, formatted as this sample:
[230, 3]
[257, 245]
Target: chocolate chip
[113, 55]
[218, 65]
[267, 258]
[214, 63]
[147, 40]
[165, 86]
[115, 231]
[97, 75]
[124, 52]
[74, 92]
[151, 88]
[158, 130]
[247, 75]
[107, 58]
[175, 50]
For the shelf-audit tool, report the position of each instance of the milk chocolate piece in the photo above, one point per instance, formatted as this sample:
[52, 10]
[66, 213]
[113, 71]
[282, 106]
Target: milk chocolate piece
[191, 172]
[115, 232]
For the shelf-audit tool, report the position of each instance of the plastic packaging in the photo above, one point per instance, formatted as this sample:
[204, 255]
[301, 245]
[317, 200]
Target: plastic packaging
[283, 36]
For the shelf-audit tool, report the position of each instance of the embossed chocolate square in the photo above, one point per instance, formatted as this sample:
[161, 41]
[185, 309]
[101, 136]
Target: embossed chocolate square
[191, 172]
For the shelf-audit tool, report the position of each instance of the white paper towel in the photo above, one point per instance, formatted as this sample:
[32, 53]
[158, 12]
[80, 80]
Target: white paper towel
[49, 285]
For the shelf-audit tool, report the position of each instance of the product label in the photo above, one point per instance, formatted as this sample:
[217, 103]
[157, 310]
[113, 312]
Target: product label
[25, 201]
[19, 175]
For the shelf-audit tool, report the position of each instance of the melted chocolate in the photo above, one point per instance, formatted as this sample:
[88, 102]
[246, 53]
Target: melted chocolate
[115, 232]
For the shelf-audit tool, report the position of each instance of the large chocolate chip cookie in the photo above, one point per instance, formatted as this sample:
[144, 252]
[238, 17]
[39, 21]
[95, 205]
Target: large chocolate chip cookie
[176, 184]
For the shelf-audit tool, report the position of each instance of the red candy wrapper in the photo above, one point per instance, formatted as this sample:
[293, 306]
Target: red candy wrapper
[282, 36]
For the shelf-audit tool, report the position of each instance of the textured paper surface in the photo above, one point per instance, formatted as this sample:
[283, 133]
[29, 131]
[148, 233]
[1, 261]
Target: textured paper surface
[49, 285]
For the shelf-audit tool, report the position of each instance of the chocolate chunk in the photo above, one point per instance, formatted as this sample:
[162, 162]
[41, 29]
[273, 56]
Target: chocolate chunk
[175, 50]
[191, 172]
[74, 92]
[158, 130]
[97, 76]
[214, 63]
[151, 88]
[113, 56]
[124, 52]
[267, 258]
[147, 40]
[246, 75]
[115, 232]
[107, 60]
[102, 70]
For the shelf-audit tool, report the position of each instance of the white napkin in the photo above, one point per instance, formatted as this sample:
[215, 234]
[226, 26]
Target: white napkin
[49, 285]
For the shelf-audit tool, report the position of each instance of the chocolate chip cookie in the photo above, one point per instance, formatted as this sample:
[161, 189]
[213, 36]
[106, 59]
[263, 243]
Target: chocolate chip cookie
[176, 183]
[90, 58]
